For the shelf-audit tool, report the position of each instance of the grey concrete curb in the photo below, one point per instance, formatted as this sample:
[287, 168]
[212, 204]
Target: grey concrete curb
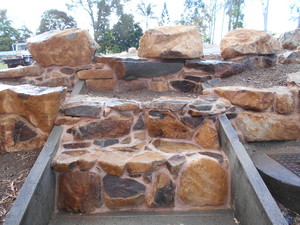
[250, 198]
[35, 202]
[78, 88]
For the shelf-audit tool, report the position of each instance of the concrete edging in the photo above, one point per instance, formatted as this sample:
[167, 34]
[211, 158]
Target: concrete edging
[250, 197]
[35, 202]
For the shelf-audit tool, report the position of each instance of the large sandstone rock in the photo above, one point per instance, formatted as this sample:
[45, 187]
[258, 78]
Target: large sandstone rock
[79, 191]
[33, 70]
[290, 40]
[246, 97]
[18, 134]
[71, 47]
[203, 182]
[267, 127]
[171, 42]
[123, 192]
[242, 41]
[174, 147]
[207, 136]
[39, 105]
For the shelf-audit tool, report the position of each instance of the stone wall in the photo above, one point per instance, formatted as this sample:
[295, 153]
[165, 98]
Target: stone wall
[120, 154]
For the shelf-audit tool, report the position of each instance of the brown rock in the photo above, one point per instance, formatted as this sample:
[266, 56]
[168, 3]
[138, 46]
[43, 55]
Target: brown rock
[139, 124]
[174, 105]
[57, 81]
[100, 85]
[290, 40]
[79, 191]
[95, 74]
[123, 192]
[171, 42]
[140, 135]
[76, 145]
[70, 47]
[106, 142]
[166, 125]
[112, 162]
[267, 126]
[146, 162]
[193, 121]
[185, 86]
[175, 163]
[207, 136]
[284, 102]
[174, 147]
[66, 120]
[203, 182]
[133, 85]
[242, 41]
[293, 79]
[39, 105]
[17, 134]
[110, 127]
[121, 105]
[116, 65]
[248, 98]
[289, 57]
[67, 70]
[33, 70]
[256, 61]
[163, 192]
[159, 86]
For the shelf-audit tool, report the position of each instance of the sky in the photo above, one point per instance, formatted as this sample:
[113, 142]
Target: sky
[29, 13]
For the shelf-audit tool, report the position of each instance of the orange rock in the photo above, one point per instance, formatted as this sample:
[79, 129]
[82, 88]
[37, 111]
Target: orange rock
[207, 136]
[203, 182]
[95, 74]
[100, 85]
[174, 147]
[159, 86]
[116, 65]
[70, 47]
[266, 126]
[33, 70]
[66, 120]
[245, 97]
[39, 105]
[284, 102]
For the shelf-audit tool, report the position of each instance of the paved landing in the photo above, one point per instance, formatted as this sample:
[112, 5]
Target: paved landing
[213, 217]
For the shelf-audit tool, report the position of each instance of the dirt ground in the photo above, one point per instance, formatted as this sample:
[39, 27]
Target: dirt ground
[15, 167]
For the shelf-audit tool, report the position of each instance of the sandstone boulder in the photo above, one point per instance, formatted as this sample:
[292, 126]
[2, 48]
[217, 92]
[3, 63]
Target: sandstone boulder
[207, 136]
[70, 47]
[174, 147]
[268, 127]
[289, 57]
[290, 40]
[33, 70]
[284, 102]
[203, 182]
[171, 42]
[242, 41]
[293, 79]
[39, 105]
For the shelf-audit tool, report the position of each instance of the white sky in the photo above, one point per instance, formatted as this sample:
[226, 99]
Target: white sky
[28, 12]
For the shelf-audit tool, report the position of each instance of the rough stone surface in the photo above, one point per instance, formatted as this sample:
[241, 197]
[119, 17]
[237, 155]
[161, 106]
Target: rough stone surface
[245, 97]
[66, 120]
[175, 163]
[256, 61]
[166, 125]
[123, 105]
[70, 47]
[17, 134]
[171, 42]
[174, 105]
[146, 162]
[116, 65]
[293, 79]
[203, 182]
[267, 127]
[110, 127]
[33, 70]
[106, 142]
[100, 84]
[57, 81]
[77, 145]
[123, 192]
[207, 136]
[192, 121]
[95, 74]
[214, 155]
[139, 124]
[174, 147]
[163, 192]
[289, 57]
[140, 69]
[185, 86]
[290, 40]
[219, 68]
[39, 105]
[79, 191]
[284, 102]
[159, 86]
[242, 41]
[134, 85]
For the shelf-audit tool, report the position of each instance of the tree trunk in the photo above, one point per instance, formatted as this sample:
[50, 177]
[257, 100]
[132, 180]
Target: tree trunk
[265, 9]
[298, 21]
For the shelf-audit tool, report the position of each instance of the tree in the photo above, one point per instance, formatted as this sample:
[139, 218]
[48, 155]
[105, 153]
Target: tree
[126, 33]
[99, 12]
[265, 9]
[164, 18]
[54, 19]
[8, 34]
[213, 8]
[234, 12]
[24, 33]
[295, 10]
[195, 13]
[146, 11]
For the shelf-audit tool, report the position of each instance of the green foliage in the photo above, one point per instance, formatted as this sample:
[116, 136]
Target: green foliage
[234, 12]
[54, 19]
[126, 33]
[146, 11]
[24, 33]
[164, 18]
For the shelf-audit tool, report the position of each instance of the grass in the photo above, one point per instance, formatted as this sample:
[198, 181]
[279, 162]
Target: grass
[3, 66]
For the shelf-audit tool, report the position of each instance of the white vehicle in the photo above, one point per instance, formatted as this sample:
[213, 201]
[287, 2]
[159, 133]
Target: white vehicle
[18, 56]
